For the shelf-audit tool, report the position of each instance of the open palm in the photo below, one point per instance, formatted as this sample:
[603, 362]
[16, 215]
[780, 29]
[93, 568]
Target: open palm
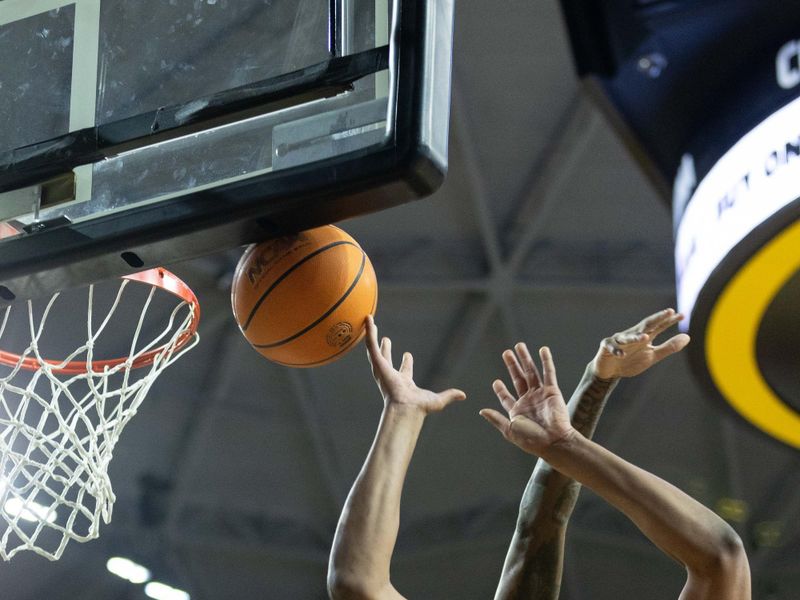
[538, 418]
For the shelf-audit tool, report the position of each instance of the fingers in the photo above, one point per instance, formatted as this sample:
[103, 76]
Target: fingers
[665, 324]
[380, 356]
[515, 371]
[629, 337]
[671, 346]
[620, 343]
[529, 369]
[497, 420]
[642, 333]
[522, 369]
[660, 321]
[653, 321]
[386, 350]
[611, 347]
[502, 393]
[373, 350]
[407, 365]
[548, 367]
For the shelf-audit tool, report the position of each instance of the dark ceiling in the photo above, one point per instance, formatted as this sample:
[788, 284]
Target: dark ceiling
[230, 480]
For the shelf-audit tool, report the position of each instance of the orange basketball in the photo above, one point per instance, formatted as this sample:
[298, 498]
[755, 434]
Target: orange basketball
[301, 300]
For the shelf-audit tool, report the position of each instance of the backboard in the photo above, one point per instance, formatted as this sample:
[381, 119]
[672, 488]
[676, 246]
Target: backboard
[135, 134]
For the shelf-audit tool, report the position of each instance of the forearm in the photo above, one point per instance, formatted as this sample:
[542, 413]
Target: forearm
[367, 529]
[588, 401]
[550, 496]
[679, 525]
[535, 556]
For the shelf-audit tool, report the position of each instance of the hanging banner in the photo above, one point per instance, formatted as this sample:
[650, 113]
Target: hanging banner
[754, 180]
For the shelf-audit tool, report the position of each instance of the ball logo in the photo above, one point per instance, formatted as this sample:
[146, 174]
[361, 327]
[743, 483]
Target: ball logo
[272, 252]
[340, 334]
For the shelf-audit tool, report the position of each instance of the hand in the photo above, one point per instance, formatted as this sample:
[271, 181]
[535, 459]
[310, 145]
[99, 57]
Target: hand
[539, 418]
[630, 352]
[397, 386]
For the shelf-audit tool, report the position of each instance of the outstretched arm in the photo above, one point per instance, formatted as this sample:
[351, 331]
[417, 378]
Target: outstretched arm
[367, 529]
[680, 526]
[534, 563]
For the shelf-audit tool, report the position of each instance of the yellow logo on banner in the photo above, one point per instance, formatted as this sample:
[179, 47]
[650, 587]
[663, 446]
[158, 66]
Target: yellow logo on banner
[732, 331]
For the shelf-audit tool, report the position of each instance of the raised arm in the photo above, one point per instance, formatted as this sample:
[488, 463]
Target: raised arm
[681, 527]
[367, 529]
[534, 563]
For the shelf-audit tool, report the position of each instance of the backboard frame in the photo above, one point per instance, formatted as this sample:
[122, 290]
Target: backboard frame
[409, 165]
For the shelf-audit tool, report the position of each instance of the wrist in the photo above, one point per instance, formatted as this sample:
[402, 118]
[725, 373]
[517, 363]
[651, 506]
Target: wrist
[600, 375]
[399, 410]
[400, 421]
[563, 448]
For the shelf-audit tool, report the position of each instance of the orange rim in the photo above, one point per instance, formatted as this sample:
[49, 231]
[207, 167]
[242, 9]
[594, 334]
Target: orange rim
[158, 277]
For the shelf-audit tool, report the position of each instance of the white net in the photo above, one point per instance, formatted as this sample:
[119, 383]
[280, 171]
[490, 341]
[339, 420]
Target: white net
[60, 420]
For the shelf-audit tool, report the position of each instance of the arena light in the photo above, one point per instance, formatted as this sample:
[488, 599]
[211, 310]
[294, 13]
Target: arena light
[128, 570]
[29, 511]
[756, 178]
[161, 591]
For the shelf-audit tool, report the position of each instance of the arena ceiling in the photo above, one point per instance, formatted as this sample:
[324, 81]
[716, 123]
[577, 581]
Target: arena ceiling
[230, 480]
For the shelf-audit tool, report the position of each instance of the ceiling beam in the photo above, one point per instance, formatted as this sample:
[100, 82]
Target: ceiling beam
[642, 289]
[459, 343]
[539, 197]
[545, 182]
[462, 132]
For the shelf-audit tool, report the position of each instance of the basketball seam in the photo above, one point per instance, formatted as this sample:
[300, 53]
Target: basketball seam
[316, 362]
[341, 351]
[324, 316]
[287, 273]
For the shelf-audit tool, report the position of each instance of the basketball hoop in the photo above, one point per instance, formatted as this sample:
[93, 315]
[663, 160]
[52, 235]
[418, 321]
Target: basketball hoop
[60, 419]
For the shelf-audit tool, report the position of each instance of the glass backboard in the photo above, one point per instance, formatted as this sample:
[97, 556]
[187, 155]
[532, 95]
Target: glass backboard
[135, 134]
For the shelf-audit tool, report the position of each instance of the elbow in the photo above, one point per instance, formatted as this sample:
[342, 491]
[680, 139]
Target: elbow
[342, 586]
[726, 558]
[729, 549]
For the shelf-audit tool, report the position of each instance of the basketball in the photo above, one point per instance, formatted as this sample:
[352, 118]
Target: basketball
[301, 300]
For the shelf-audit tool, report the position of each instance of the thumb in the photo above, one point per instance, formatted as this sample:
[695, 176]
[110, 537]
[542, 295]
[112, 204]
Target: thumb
[501, 423]
[452, 395]
[671, 346]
